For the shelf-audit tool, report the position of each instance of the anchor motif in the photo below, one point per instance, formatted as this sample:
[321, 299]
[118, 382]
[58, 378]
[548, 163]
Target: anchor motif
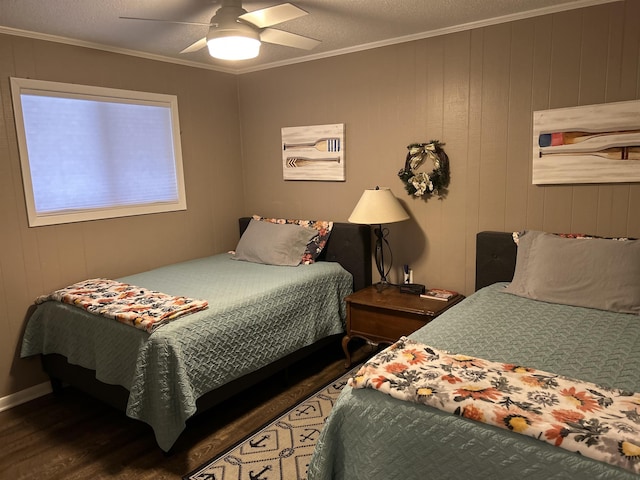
[305, 409]
[310, 435]
[339, 385]
[258, 443]
[259, 476]
[207, 476]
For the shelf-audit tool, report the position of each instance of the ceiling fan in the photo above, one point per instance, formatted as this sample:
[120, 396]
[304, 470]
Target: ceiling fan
[235, 34]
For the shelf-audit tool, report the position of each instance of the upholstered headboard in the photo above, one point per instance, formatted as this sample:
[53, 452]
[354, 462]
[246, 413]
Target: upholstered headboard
[495, 258]
[350, 245]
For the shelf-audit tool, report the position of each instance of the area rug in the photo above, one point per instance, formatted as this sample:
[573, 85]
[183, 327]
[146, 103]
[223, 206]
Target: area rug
[281, 450]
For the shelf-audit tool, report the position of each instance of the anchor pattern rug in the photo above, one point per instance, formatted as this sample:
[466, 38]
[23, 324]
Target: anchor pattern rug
[281, 450]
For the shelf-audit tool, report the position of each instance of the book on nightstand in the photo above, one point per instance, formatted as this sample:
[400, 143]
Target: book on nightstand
[439, 294]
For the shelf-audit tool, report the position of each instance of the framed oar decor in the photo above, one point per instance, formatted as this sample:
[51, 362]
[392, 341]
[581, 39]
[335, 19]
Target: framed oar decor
[314, 152]
[588, 144]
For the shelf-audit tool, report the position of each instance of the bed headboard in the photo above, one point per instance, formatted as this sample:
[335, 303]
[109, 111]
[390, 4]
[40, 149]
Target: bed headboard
[495, 258]
[350, 245]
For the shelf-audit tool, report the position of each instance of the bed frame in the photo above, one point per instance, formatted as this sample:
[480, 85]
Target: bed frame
[349, 244]
[495, 258]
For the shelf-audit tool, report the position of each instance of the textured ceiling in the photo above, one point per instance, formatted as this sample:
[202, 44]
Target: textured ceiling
[342, 25]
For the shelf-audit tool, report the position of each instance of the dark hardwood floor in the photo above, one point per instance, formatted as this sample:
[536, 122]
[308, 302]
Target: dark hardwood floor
[73, 436]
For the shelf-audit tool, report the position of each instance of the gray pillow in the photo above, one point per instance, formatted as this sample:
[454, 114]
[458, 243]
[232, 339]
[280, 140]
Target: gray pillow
[594, 272]
[273, 244]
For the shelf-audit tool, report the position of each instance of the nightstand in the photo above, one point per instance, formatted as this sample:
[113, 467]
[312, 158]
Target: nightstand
[383, 316]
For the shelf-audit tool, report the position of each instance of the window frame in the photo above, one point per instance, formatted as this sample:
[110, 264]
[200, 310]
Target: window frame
[20, 86]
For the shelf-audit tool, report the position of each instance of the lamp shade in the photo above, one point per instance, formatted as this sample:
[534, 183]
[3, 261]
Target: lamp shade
[378, 206]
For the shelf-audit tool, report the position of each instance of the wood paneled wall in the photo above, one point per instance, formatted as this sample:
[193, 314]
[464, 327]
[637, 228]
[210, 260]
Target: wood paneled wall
[34, 261]
[474, 90]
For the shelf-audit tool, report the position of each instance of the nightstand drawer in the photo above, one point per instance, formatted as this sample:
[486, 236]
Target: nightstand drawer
[379, 324]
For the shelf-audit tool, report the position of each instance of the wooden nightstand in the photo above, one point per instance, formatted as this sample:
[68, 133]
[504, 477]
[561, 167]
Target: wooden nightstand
[386, 315]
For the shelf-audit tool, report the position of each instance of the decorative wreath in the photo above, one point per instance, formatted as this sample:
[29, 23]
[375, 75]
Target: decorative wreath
[422, 184]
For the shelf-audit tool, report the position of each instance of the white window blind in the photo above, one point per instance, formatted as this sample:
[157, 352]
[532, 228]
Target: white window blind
[90, 152]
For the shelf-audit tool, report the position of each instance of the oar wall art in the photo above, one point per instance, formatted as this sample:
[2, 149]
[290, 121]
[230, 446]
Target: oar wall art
[588, 144]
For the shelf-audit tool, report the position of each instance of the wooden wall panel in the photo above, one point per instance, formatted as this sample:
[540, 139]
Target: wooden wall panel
[594, 57]
[564, 89]
[519, 124]
[632, 208]
[429, 215]
[14, 293]
[540, 88]
[471, 162]
[495, 126]
[629, 88]
[594, 64]
[455, 127]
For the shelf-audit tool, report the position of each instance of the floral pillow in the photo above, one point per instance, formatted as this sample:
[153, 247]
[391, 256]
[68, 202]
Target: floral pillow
[317, 243]
[516, 236]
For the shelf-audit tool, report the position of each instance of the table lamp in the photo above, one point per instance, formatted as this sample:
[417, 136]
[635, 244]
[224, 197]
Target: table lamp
[377, 207]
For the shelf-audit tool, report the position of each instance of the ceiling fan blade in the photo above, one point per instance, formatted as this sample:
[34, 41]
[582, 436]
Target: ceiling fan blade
[280, 37]
[266, 17]
[166, 21]
[197, 45]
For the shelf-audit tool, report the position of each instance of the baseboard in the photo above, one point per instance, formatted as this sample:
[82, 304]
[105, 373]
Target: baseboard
[24, 396]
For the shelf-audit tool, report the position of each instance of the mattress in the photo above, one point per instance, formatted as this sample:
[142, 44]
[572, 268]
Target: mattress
[257, 314]
[371, 435]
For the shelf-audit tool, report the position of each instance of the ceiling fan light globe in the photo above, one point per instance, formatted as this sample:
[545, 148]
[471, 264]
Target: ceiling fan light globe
[233, 48]
[232, 40]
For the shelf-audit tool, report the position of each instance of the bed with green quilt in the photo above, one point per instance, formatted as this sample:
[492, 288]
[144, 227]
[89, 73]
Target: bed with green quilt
[395, 422]
[259, 319]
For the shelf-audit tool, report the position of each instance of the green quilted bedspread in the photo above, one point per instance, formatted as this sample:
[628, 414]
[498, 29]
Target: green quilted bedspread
[372, 435]
[257, 314]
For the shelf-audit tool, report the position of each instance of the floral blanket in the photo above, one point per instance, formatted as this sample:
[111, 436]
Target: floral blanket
[600, 423]
[135, 306]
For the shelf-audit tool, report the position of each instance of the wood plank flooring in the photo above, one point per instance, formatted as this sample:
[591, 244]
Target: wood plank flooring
[75, 437]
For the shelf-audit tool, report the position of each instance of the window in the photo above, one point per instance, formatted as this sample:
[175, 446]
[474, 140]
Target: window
[89, 152]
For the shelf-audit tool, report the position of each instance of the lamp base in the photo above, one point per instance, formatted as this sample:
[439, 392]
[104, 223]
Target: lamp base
[383, 284]
[381, 242]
